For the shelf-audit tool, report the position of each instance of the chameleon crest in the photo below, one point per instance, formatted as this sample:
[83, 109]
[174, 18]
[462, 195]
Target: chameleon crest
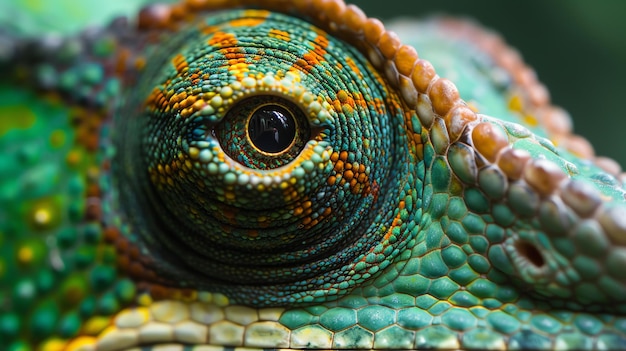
[291, 174]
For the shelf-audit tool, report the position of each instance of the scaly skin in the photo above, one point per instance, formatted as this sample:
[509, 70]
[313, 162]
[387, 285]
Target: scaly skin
[139, 208]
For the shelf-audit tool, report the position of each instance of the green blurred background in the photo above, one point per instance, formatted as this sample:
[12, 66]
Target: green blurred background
[577, 47]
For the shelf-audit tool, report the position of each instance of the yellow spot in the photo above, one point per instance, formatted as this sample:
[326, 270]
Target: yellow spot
[246, 22]
[81, 343]
[57, 138]
[530, 120]
[95, 325]
[256, 13]
[73, 157]
[140, 63]
[194, 153]
[42, 216]
[515, 103]
[230, 196]
[53, 345]
[25, 255]
[93, 171]
[456, 188]
[15, 117]
[144, 300]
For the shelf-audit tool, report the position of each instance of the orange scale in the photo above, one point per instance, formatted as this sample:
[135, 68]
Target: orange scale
[348, 175]
[389, 44]
[250, 22]
[354, 18]
[422, 76]
[489, 139]
[331, 180]
[405, 59]
[512, 162]
[373, 29]
[444, 95]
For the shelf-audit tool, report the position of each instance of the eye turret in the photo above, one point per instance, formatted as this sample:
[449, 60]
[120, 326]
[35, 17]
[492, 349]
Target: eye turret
[255, 162]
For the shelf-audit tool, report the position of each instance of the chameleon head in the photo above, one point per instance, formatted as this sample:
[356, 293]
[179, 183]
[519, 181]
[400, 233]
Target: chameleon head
[279, 187]
[269, 152]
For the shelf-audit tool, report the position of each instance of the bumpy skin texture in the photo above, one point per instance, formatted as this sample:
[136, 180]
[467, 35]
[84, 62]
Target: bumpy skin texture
[148, 197]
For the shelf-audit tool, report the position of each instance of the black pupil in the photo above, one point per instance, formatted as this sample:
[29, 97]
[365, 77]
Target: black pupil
[272, 128]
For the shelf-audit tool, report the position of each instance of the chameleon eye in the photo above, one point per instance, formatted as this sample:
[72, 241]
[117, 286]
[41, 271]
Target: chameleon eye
[263, 132]
[249, 154]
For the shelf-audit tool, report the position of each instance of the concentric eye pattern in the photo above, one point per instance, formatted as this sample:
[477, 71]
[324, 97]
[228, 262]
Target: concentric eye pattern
[264, 131]
[293, 214]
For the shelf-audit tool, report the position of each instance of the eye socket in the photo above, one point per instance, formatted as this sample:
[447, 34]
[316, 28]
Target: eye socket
[271, 128]
[263, 131]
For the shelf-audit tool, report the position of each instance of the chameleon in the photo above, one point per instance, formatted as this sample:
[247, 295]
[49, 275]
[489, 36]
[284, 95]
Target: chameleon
[230, 175]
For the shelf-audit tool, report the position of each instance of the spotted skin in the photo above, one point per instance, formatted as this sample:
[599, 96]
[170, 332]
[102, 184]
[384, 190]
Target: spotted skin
[139, 211]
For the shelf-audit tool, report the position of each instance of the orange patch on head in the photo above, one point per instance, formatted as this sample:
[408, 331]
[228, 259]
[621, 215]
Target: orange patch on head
[379, 105]
[180, 63]
[322, 43]
[346, 98]
[222, 39]
[233, 54]
[353, 66]
[246, 22]
[206, 29]
[311, 58]
[302, 64]
[279, 34]
[314, 56]
[347, 172]
[304, 209]
[156, 99]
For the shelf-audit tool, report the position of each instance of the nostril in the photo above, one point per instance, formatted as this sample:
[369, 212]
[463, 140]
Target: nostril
[530, 252]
